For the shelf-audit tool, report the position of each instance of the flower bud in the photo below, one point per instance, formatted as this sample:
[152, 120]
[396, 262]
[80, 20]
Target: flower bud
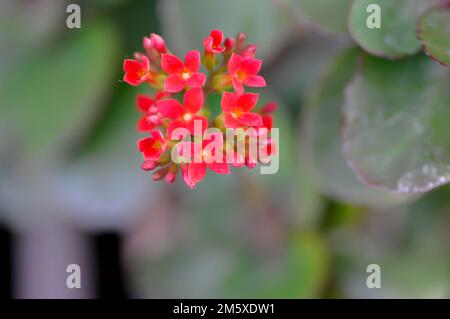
[155, 42]
[270, 107]
[229, 42]
[249, 51]
[160, 174]
[154, 120]
[240, 40]
[172, 174]
[149, 165]
[158, 43]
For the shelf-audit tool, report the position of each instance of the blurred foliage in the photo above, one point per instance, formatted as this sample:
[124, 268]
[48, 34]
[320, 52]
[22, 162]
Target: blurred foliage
[263, 22]
[434, 31]
[329, 15]
[394, 131]
[63, 88]
[68, 135]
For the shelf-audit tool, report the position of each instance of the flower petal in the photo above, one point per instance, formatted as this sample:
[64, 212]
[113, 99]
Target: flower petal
[197, 125]
[250, 119]
[148, 165]
[230, 121]
[158, 43]
[192, 61]
[208, 43]
[171, 64]
[157, 135]
[175, 124]
[174, 83]
[251, 66]
[193, 100]
[267, 121]
[170, 108]
[144, 102]
[132, 79]
[247, 101]
[151, 148]
[217, 36]
[235, 63]
[220, 168]
[143, 125]
[145, 63]
[254, 81]
[196, 79]
[130, 65]
[237, 85]
[228, 102]
[195, 173]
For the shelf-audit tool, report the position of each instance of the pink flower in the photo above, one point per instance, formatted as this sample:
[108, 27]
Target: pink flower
[237, 109]
[152, 147]
[155, 42]
[182, 74]
[136, 71]
[229, 63]
[228, 43]
[202, 157]
[147, 105]
[184, 115]
[243, 71]
[213, 42]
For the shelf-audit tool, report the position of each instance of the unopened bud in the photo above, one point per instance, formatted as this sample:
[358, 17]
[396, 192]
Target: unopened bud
[148, 165]
[160, 174]
[229, 42]
[270, 107]
[158, 43]
[172, 174]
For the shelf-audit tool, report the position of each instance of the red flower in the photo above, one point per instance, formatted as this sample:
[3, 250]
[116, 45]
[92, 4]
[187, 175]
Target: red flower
[267, 121]
[213, 42]
[136, 71]
[267, 116]
[201, 157]
[155, 42]
[228, 43]
[237, 110]
[147, 105]
[243, 71]
[270, 107]
[249, 51]
[230, 63]
[182, 74]
[152, 147]
[184, 115]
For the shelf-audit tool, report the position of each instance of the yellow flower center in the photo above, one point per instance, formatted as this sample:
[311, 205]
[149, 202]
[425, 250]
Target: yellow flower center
[187, 117]
[185, 75]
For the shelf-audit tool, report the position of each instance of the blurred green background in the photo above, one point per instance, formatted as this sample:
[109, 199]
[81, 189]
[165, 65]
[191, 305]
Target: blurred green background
[68, 161]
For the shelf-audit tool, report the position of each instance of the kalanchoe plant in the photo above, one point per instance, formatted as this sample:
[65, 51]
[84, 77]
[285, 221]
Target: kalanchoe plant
[180, 103]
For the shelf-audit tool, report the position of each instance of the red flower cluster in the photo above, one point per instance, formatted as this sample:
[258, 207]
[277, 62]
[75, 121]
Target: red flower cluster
[179, 112]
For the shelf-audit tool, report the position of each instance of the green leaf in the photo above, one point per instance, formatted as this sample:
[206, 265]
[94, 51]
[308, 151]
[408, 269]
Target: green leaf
[330, 15]
[396, 124]
[48, 100]
[397, 35]
[187, 23]
[323, 140]
[434, 33]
